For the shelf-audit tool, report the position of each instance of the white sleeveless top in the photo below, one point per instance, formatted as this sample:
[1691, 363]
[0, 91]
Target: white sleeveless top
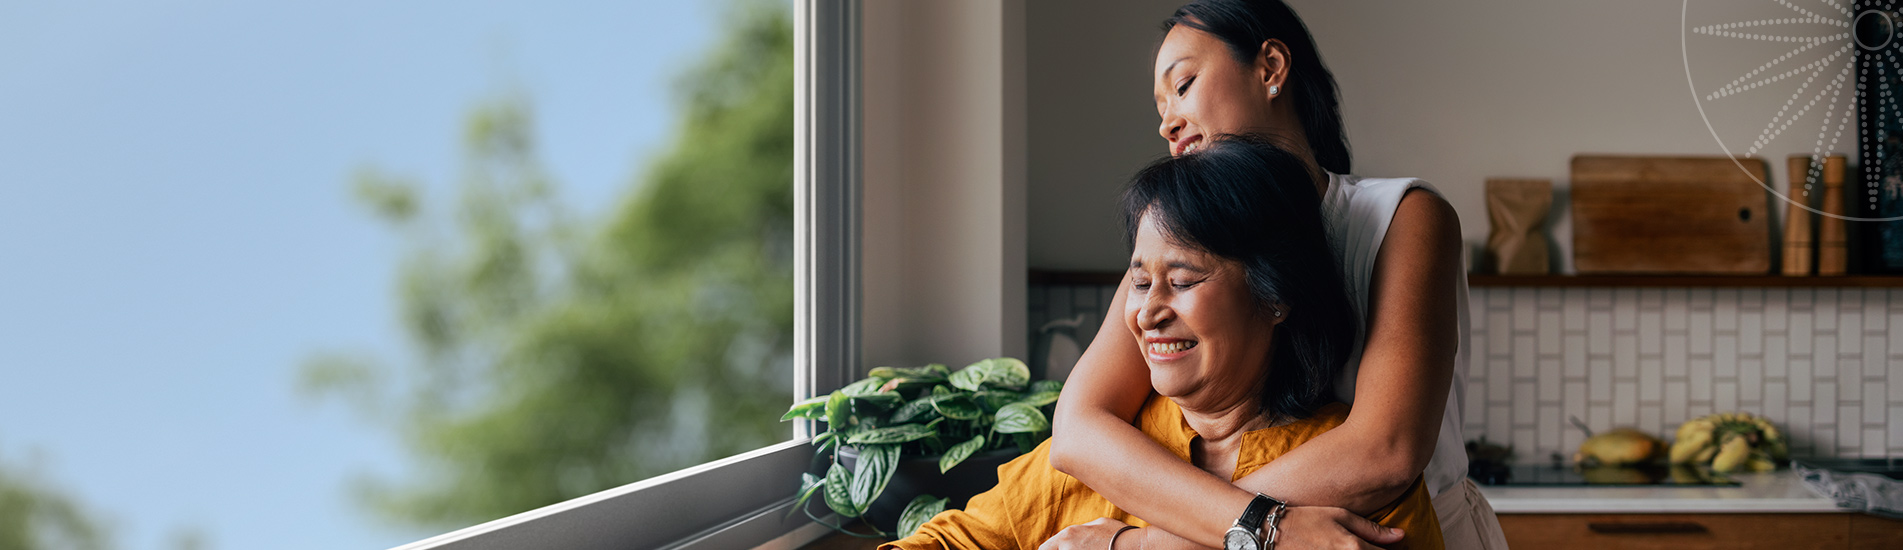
[1358, 212]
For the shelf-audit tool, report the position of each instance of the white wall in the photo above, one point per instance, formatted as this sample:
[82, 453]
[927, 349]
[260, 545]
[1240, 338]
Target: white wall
[1453, 91]
[944, 237]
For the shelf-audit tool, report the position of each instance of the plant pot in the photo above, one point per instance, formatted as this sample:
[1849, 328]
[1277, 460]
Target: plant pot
[919, 475]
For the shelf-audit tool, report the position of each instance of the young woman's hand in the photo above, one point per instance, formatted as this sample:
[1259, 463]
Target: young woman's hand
[1095, 535]
[1306, 527]
[1302, 528]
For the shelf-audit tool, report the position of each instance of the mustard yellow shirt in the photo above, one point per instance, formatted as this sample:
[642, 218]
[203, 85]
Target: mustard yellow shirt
[1033, 501]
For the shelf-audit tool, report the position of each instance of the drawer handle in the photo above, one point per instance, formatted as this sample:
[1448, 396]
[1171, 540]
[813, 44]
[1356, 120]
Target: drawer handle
[1662, 527]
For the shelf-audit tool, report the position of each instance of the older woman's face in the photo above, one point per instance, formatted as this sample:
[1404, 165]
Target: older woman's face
[1206, 342]
[1202, 91]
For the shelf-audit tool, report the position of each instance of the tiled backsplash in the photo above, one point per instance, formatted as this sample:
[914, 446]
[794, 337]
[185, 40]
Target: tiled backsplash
[1825, 364]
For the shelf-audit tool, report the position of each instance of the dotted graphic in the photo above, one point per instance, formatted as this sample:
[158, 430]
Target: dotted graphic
[1838, 77]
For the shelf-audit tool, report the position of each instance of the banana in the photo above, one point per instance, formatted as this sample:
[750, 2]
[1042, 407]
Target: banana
[1731, 454]
[1705, 455]
[1689, 444]
[1695, 426]
[1761, 463]
[1729, 441]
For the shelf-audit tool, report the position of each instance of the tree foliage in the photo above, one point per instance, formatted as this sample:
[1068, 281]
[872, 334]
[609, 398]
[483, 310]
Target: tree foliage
[36, 516]
[555, 355]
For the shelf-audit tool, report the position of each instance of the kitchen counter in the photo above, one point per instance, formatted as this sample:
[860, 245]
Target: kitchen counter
[1775, 492]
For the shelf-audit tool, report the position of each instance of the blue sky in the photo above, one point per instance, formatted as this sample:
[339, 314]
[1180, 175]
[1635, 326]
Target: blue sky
[176, 232]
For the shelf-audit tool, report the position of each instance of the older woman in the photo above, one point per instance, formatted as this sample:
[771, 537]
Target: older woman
[1238, 308]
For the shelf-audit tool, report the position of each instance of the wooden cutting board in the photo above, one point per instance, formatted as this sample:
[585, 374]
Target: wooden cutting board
[1669, 215]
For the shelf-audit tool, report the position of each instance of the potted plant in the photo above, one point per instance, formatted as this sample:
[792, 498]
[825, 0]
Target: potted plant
[919, 425]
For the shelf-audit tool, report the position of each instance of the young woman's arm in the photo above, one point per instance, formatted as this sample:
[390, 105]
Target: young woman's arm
[1370, 460]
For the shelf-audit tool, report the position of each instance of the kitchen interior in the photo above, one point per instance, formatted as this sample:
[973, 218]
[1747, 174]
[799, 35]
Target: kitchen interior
[1639, 292]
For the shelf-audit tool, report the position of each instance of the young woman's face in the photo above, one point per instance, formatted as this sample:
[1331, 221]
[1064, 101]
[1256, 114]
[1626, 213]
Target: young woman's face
[1198, 327]
[1202, 90]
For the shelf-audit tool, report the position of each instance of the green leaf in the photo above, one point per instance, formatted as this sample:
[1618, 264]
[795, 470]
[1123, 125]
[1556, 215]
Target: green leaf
[968, 379]
[915, 410]
[1005, 372]
[1002, 372]
[942, 390]
[919, 373]
[873, 403]
[894, 434]
[922, 509]
[1021, 418]
[1025, 442]
[809, 484]
[869, 476]
[957, 407]
[1039, 399]
[836, 411]
[814, 408]
[863, 387]
[1046, 385]
[992, 400]
[839, 492]
[958, 453]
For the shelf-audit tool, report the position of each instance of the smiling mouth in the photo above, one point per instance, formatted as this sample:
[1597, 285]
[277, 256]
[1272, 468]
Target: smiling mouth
[1195, 144]
[1171, 348]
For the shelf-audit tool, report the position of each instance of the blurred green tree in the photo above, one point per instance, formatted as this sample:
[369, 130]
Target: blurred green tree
[36, 516]
[559, 356]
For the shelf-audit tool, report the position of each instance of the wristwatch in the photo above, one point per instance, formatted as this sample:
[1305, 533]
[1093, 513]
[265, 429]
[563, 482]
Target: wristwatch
[1246, 534]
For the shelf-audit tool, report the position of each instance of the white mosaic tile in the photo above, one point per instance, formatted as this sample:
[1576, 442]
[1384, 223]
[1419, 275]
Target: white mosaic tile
[1826, 363]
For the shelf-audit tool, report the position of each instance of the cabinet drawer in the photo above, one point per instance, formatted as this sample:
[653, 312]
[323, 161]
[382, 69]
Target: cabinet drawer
[1875, 533]
[1677, 531]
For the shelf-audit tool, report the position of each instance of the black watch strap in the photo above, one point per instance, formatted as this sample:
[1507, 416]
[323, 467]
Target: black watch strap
[1256, 513]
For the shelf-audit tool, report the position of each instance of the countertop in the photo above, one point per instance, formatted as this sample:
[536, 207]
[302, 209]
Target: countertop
[1779, 491]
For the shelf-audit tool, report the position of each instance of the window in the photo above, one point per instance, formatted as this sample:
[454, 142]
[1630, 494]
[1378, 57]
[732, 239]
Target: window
[509, 294]
[742, 501]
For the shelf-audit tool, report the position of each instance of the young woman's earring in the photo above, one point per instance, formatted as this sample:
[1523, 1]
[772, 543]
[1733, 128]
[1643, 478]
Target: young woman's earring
[1272, 91]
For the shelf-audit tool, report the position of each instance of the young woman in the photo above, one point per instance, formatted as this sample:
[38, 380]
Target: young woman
[1250, 66]
[1239, 312]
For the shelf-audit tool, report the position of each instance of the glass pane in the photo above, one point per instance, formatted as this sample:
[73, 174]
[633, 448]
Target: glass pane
[377, 271]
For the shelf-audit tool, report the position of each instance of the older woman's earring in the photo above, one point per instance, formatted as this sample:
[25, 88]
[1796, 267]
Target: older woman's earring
[1272, 91]
[1276, 312]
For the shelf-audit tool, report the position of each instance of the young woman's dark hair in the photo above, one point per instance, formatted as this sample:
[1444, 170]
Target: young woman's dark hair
[1244, 25]
[1248, 201]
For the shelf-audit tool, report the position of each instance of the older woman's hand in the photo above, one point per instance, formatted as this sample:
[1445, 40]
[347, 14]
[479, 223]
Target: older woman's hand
[1095, 535]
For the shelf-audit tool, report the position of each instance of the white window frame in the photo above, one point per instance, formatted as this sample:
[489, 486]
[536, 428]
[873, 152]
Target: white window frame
[743, 501]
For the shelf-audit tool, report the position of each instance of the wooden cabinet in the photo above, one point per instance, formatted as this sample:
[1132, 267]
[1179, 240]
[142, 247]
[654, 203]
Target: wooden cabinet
[1834, 531]
[1875, 533]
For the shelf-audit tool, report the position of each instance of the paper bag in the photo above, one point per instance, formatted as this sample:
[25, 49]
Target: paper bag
[1516, 213]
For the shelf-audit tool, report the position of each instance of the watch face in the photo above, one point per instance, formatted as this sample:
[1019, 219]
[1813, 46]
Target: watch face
[1237, 539]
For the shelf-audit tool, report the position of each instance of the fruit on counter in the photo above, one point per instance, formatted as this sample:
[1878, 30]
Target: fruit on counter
[1731, 454]
[1729, 442]
[1619, 447]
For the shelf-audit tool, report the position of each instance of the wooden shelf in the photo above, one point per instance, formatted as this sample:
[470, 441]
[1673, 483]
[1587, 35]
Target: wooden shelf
[1722, 281]
[1039, 277]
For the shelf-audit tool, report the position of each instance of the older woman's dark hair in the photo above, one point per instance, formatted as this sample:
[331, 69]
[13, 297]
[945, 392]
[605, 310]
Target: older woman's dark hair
[1244, 25]
[1245, 200]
